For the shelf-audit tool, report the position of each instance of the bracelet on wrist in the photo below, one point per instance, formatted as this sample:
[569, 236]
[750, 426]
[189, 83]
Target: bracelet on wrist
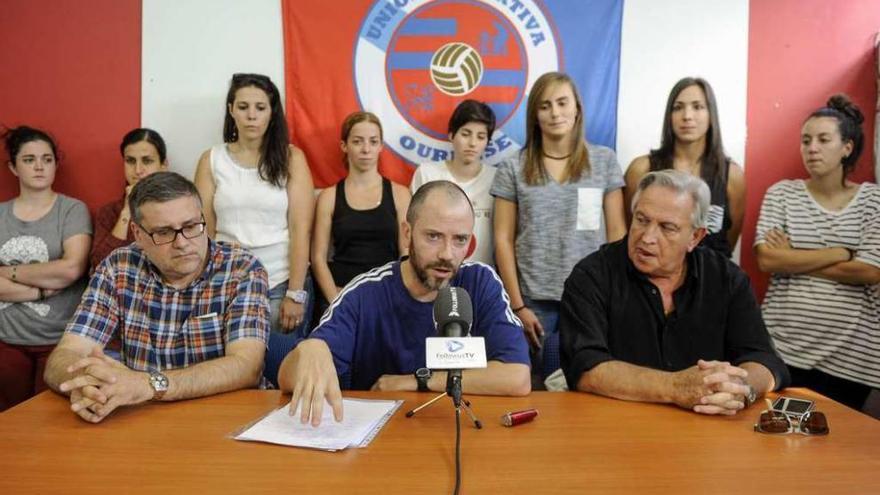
[14, 268]
[517, 310]
[852, 253]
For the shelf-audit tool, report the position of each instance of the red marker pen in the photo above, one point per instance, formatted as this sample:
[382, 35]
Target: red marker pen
[518, 417]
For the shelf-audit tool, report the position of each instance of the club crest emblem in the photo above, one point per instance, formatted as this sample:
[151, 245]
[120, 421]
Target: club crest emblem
[415, 61]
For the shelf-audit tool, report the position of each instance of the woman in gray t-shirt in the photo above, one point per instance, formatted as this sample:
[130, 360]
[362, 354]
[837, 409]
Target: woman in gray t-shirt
[44, 247]
[556, 203]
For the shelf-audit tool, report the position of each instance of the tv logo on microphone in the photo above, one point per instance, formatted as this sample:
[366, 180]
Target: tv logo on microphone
[454, 349]
[454, 345]
[446, 353]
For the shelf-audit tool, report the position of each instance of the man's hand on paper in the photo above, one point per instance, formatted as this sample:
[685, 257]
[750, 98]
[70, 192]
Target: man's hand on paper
[314, 380]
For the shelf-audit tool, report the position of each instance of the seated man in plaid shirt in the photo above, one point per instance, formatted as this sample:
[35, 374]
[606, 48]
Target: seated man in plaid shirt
[192, 314]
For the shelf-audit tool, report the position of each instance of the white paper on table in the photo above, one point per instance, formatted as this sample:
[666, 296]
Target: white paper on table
[362, 420]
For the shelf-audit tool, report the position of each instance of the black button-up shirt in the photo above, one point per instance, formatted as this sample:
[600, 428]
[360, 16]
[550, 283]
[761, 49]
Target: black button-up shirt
[611, 311]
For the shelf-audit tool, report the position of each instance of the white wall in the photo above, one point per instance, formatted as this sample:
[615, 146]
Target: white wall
[188, 59]
[664, 41]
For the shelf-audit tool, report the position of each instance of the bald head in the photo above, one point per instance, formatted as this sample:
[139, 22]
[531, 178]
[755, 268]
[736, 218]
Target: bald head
[449, 192]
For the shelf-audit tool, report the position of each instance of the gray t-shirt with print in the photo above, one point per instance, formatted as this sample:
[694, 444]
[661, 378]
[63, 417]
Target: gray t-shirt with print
[40, 322]
[557, 225]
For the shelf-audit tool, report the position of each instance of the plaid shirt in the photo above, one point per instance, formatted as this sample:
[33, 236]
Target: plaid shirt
[166, 328]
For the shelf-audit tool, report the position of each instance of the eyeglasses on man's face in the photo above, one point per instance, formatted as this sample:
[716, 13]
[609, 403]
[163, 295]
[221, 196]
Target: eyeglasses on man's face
[169, 235]
[776, 422]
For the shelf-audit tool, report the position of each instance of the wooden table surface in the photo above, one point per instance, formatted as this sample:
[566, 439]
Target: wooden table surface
[579, 443]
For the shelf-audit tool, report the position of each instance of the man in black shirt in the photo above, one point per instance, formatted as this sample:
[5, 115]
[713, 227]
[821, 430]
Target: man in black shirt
[654, 318]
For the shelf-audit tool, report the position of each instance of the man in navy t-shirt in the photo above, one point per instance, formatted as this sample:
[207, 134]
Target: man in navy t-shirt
[374, 331]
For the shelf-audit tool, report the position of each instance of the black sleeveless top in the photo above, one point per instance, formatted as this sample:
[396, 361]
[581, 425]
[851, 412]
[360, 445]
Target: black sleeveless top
[719, 222]
[362, 239]
[719, 217]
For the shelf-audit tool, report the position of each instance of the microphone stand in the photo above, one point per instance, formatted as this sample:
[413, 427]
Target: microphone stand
[453, 390]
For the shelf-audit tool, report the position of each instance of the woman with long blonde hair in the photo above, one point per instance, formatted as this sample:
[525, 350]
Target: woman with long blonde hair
[555, 203]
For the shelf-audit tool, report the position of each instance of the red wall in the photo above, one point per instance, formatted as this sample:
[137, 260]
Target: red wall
[800, 53]
[74, 70]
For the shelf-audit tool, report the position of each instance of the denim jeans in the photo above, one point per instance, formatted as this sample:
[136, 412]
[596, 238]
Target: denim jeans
[546, 359]
[277, 294]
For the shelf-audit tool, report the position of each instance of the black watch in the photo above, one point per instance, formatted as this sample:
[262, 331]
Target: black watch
[422, 376]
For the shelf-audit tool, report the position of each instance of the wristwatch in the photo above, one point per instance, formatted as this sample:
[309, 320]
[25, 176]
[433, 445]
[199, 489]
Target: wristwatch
[298, 296]
[751, 397]
[159, 382]
[422, 376]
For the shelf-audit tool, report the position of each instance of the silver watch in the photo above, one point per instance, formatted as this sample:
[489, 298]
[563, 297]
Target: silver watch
[298, 296]
[159, 382]
[751, 397]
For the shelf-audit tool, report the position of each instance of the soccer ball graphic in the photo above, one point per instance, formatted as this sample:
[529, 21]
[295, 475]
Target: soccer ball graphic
[456, 69]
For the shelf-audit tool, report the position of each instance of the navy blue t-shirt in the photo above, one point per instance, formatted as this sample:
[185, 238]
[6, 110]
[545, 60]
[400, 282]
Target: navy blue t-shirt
[375, 327]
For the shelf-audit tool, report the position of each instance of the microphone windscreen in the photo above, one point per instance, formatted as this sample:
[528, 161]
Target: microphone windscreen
[453, 305]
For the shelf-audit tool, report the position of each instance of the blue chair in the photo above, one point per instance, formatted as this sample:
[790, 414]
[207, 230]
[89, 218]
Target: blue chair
[280, 344]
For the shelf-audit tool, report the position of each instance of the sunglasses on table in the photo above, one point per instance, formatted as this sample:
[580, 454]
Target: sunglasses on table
[776, 422]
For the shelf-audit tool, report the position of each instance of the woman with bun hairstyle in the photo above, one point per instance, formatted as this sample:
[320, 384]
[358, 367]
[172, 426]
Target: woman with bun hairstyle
[361, 215]
[691, 142]
[257, 190]
[556, 202]
[143, 153]
[820, 240]
[44, 253]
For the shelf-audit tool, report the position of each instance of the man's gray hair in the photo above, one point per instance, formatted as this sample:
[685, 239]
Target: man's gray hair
[681, 183]
[159, 187]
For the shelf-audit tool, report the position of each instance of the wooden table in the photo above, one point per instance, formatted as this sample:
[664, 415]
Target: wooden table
[578, 444]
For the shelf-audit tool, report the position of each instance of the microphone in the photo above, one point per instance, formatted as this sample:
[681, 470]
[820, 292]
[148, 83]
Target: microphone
[453, 315]
[453, 312]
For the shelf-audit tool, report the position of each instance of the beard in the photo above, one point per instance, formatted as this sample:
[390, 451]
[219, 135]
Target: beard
[428, 281]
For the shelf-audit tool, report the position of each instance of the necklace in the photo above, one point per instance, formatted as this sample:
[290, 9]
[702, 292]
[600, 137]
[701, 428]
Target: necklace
[564, 157]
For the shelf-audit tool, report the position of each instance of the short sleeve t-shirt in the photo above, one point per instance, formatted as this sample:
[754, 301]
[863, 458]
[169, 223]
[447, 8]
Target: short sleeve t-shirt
[40, 241]
[163, 327]
[477, 190]
[557, 224]
[818, 323]
[375, 327]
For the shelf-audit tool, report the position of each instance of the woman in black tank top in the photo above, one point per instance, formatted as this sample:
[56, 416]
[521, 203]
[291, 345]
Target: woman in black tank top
[691, 142]
[362, 239]
[361, 215]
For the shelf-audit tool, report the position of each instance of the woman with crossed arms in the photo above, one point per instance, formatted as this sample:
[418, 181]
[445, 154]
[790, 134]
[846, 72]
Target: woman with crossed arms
[820, 240]
[44, 253]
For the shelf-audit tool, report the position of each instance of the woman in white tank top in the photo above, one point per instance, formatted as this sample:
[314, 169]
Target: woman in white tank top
[257, 190]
